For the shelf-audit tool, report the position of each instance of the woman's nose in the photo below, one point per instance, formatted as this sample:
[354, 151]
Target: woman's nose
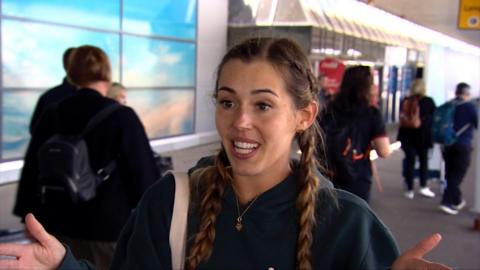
[242, 119]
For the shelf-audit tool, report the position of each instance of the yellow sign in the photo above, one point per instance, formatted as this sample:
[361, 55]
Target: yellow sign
[469, 15]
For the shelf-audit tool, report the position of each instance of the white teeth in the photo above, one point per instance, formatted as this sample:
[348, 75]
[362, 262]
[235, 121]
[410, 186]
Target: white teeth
[243, 151]
[245, 145]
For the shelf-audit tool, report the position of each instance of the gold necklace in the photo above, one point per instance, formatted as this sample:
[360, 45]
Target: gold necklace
[239, 225]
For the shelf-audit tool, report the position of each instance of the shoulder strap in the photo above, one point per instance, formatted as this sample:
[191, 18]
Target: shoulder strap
[97, 118]
[178, 226]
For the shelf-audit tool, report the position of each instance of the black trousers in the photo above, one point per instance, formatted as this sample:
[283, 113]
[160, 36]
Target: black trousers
[411, 152]
[457, 160]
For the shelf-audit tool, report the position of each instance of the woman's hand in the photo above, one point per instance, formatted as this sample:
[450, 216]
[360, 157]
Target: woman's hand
[413, 258]
[46, 253]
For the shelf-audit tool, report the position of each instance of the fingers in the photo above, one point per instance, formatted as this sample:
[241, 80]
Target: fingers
[7, 264]
[424, 246]
[13, 250]
[36, 230]
[438, 266]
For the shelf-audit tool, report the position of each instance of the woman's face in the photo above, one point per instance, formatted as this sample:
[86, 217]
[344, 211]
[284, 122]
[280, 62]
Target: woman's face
[256, 118]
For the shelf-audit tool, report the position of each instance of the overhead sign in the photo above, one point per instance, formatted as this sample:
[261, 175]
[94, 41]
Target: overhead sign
[469, 15]
[333, 70]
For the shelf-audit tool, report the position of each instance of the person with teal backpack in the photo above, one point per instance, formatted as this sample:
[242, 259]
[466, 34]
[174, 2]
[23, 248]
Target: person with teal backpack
[443, 120]
[453, 126]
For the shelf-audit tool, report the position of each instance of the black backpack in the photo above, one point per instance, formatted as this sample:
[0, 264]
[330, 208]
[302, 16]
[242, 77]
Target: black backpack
[64, 165]
[343, 149]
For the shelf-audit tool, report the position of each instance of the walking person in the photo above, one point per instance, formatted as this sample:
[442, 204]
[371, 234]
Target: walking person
[255, 207]
[353, 127]
[91, 227]
[416, 139]
[457, 156]
[54, 95]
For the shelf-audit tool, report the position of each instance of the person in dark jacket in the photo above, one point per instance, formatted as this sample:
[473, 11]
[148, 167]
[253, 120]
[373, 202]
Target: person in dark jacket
[418, 141]
[54, 95]
[254, 208]
[457, 156]
[92, 227]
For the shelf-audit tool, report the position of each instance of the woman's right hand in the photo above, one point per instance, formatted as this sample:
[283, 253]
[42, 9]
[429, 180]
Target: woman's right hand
[45, 253]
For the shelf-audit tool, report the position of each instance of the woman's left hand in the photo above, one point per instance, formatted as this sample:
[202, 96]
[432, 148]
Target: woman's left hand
[413, 258]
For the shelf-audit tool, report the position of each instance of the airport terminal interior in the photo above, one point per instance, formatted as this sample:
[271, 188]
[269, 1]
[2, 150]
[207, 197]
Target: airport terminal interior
[166, 53]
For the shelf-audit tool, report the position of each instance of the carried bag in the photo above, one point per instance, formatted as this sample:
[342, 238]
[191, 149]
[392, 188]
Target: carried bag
[178, 226]
[410, 113]
[64, 165]
[344, 149]
[443, 122]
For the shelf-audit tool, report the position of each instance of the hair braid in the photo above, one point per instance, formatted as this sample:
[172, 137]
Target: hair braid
[214, 180]
[307, 197]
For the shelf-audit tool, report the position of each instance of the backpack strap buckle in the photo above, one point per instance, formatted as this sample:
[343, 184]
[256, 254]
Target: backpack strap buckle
[103, 174]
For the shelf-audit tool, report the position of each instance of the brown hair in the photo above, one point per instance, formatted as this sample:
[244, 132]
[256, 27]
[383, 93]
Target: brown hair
[88, 64]
[288, 59]
[66, 57]
[354, 91]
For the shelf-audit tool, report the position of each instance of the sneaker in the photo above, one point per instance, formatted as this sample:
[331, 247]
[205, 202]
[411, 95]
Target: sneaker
[448, 209]
[409, 194]
[459, 206]
[426, 192]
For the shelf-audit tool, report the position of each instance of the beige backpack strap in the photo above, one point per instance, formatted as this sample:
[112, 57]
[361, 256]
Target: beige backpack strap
[178, 227]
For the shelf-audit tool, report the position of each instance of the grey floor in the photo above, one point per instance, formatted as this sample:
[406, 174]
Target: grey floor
[411, 220]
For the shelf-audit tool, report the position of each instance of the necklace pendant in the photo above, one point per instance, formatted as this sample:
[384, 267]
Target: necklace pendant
[238, 226]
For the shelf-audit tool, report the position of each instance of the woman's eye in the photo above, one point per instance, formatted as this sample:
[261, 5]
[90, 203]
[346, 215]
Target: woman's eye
[263, 106]
[227, 104]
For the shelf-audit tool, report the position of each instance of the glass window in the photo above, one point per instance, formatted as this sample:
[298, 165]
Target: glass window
[158, 63]
[153, 45]
[90, 13]
[172, 18]
[32, 52]
[17, 109]
[163, 112]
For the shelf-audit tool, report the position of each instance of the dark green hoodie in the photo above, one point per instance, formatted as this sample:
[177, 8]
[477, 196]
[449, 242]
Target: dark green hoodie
[347, 235]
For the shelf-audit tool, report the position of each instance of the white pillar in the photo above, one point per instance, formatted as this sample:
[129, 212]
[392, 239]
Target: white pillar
[476, 159]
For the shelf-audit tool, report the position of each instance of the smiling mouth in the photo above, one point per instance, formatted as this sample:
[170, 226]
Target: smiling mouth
[244, 148]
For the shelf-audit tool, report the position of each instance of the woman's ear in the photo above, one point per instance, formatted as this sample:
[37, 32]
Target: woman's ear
[306, 116]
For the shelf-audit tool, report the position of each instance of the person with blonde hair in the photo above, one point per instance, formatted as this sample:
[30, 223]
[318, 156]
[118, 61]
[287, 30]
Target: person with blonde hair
[416, 141]
[254, 207]
[118, 92]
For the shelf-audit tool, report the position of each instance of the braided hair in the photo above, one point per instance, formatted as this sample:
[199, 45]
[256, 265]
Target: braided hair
[288, 59]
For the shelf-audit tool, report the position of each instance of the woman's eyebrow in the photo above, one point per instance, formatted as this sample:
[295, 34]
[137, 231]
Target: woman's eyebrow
[266, 90]
[253, 92]
[227, 89]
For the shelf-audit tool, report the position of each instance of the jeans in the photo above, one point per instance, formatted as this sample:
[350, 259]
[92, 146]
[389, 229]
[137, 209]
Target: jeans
[457, 160]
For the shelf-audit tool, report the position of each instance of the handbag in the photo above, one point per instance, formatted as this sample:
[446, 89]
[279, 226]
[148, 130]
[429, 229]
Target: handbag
[178, 225]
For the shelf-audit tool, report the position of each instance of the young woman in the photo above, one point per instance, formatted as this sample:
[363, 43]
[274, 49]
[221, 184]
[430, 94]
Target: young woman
[353, 126]
[254, 208]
